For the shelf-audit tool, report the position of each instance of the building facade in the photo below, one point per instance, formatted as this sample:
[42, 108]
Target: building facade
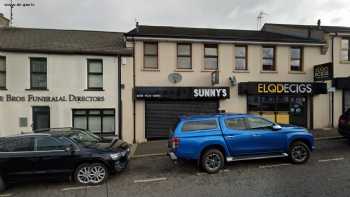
[180, 71]
[60, 78]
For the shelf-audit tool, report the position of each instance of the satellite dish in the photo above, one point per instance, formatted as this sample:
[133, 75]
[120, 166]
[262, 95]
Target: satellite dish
[175, 77]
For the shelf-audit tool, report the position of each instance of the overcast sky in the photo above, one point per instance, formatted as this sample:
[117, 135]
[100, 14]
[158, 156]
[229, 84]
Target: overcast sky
[120, 15]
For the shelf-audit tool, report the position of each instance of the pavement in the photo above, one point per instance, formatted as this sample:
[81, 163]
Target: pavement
[157, 148]
[325, 174]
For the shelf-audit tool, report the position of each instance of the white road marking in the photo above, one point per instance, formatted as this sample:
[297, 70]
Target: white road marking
[79, 188]
[334, 159]
[274, 165]
[5, 195]
[150, 180]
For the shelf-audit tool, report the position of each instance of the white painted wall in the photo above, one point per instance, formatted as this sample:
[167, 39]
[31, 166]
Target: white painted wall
[66, 74]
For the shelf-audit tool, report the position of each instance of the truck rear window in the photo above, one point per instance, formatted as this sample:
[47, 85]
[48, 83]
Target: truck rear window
[199, 125]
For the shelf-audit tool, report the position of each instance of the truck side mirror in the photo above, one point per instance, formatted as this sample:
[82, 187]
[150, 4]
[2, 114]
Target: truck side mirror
[276, 127]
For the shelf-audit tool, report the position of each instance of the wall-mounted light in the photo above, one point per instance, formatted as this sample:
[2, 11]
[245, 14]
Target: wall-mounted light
[233, 80]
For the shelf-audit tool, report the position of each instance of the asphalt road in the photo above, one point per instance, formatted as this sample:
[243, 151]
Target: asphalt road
[326, 174]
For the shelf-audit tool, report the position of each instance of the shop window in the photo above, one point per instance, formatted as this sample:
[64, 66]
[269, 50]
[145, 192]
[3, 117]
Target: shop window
[184, 56]
[150, 55]
[95, 74]
[199, 125]
[95, 120]
[210, 57]
[269, 59]
[345, 49]
[2, 72]
[38, 73]
[267, 103]
[346, 100]
[296, 59]
[241, 58]
[253, 102]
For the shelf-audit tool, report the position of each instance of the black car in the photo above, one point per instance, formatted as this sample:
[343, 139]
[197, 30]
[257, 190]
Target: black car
[82, 155]
[344, 124]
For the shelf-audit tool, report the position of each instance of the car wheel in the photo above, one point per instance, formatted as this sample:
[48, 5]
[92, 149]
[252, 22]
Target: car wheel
[93, 174]
[299, 152]
[2, 184]
[212, 161]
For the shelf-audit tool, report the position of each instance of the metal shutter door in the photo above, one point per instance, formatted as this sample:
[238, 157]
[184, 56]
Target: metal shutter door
[161, 116]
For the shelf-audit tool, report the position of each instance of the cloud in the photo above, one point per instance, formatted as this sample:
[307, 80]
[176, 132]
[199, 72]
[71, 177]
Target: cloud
[119, 15]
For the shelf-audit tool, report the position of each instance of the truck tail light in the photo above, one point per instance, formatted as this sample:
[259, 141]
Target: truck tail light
[175, 142]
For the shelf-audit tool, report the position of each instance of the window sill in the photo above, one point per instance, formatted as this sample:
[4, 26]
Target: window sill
[208, 70]
[3, 89]
[240, 71]
[344, 62]
[94, 89]
[37, 89]
[268, 71]
[183, 70]
[150, 70]
[296, 72]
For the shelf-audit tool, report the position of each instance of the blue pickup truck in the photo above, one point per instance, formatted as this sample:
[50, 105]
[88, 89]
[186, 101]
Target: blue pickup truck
[215, 139]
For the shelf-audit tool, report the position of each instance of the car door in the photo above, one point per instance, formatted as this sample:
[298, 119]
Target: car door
[16, 158]
[240, 140]
[53, 157]
[266, 139]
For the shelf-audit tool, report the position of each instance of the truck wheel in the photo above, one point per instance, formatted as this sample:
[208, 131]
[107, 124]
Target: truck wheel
[2, 184]
[212, 161]
[299, 152]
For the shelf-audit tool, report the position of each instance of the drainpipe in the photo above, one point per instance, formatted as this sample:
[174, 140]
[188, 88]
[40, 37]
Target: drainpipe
[120, 120]
[133, 88]
[332, 94]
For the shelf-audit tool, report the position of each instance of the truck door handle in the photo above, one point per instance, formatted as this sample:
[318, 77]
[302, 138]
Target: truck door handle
[229, 137]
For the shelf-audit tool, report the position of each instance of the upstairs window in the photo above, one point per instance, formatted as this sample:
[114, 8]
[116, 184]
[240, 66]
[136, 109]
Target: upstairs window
[2, 72]
[345, 49]
[38, 73]
[210, 57]
[184, 56]
[269, 59]
[95, 74]
[241, 58]
[296, 59]
[151, 55]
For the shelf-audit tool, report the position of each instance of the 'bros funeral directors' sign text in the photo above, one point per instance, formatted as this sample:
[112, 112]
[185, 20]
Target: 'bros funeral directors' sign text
[67, 98]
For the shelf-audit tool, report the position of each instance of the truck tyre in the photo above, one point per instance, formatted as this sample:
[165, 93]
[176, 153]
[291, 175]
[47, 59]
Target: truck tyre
[2, 184]
[299, 152]
[212, 161]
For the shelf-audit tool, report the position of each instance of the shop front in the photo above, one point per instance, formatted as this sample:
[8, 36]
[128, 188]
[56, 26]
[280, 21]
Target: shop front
[163, 105]
[282, 102]
[343, 84]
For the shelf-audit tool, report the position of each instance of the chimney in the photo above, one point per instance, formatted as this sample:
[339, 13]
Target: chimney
[319, 24]
[4, 22]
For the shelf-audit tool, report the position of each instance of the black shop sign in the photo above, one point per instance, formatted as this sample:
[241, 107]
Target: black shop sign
[280, 88]
[323, 72]
[181, 93]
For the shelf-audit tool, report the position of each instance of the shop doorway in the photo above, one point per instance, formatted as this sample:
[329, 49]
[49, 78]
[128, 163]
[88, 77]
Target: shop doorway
[282, 109]
[41, 117]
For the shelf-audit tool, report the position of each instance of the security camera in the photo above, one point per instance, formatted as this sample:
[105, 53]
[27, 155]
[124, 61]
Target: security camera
[233, 80]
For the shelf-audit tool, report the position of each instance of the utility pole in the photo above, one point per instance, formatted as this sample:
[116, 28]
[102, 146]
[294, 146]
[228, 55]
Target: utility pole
[11, 12]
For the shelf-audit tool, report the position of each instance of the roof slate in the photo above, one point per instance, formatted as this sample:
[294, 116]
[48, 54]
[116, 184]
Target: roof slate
[62, 41]
[215, 34]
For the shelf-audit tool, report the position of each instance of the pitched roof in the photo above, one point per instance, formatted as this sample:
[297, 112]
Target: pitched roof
[215, 34]
[325, 28]
[62, 41]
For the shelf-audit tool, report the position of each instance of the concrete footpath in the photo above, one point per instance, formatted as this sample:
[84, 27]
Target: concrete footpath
[160, 148]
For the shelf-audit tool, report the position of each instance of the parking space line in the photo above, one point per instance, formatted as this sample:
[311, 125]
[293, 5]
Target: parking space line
[78, 188]
[5, 195]
[150, 180]
[274, 165]
[333, 159]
